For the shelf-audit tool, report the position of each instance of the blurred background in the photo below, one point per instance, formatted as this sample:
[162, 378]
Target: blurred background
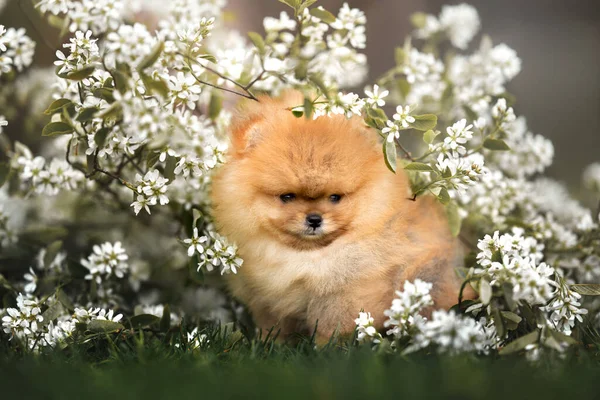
[558, 89]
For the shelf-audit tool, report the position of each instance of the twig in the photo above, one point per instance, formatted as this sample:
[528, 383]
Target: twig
[132, 161]
[406, 152]
[220, 75]
[222, 88]
[248, 94]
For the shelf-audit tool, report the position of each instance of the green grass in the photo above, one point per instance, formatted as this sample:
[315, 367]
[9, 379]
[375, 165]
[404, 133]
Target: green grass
[237, 368]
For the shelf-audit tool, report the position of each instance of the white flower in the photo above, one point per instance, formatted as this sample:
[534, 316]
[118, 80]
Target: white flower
[142, 202]
[221, 253]
[591, 176]
[23, 320]
[185, 89]
[403, 117]
[2, 40]
[404, 315]
[374, 98]
[391, 130]
[366, 329]
[283, 23]
[84, 316]
[3, 123]
[195, 243]
[452, 334]
[106, 260]
[460, 22]
[151, 190]
[31, 279]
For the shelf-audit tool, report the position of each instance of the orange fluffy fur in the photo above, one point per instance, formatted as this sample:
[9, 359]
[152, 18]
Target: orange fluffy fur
[371, 241]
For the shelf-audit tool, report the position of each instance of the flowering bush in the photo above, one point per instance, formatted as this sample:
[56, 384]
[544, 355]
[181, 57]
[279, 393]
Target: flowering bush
[110, 216]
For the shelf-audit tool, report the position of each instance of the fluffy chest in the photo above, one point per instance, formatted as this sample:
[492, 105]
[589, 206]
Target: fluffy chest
[272, 271]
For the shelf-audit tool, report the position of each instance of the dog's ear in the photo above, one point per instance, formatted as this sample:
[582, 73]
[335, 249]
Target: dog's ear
[254, 118]
[245, 129]
[245, 134]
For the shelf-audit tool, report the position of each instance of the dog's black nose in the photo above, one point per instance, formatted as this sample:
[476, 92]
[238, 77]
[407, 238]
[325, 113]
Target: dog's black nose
[314, 220]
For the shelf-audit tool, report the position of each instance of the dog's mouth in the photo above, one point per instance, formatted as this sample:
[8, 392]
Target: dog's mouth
[313, 233]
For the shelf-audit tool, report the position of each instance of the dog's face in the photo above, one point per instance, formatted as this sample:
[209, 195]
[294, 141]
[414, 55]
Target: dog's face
[305, 183]
[305, 204]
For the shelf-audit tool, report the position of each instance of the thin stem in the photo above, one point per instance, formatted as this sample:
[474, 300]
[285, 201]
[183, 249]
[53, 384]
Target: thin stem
[406, 152]
[221, 88]
[248, 94]
[132, 161]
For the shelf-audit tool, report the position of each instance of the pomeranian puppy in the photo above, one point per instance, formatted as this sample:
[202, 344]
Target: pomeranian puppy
[324, 228]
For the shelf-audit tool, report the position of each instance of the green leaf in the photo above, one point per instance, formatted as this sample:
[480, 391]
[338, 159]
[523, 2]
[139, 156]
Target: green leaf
[444, 196]
[318, 82]
[308, 108]
[196, 274]
[295, 4]
[520, 343]
[165, 321]
[403, 87]
[105, 94]
[471, 115]
[52, 251]
[301, 70]
[485, 291]
[499, 323]
[57, 128]
[306, 4]
[208, 57]
[100, 137]
[81, 74]
[4, 173]
[587, 289]
[372, 122]
[389, 155]
[429, 136]
[64, 300]
[87, 114]
[215, 106]
[561, 337]
[377, 113]
[418, 19]
[323, 15]
[424, 122]
[151, 58]
[417, 166]
[507, 289]
[511, 316]
[157, 86]
[56, 22]
[169, 172]
[152, 159]
[298, 113]
[258, 41]
[103, 326]
[52, 312]
[143, 320]
[57, 106]
[454, 220]
[90, 161]
[495, 144]
[121, 78]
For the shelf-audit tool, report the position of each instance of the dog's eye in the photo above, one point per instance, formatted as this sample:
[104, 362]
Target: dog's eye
[335, 198]
[286, 198]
